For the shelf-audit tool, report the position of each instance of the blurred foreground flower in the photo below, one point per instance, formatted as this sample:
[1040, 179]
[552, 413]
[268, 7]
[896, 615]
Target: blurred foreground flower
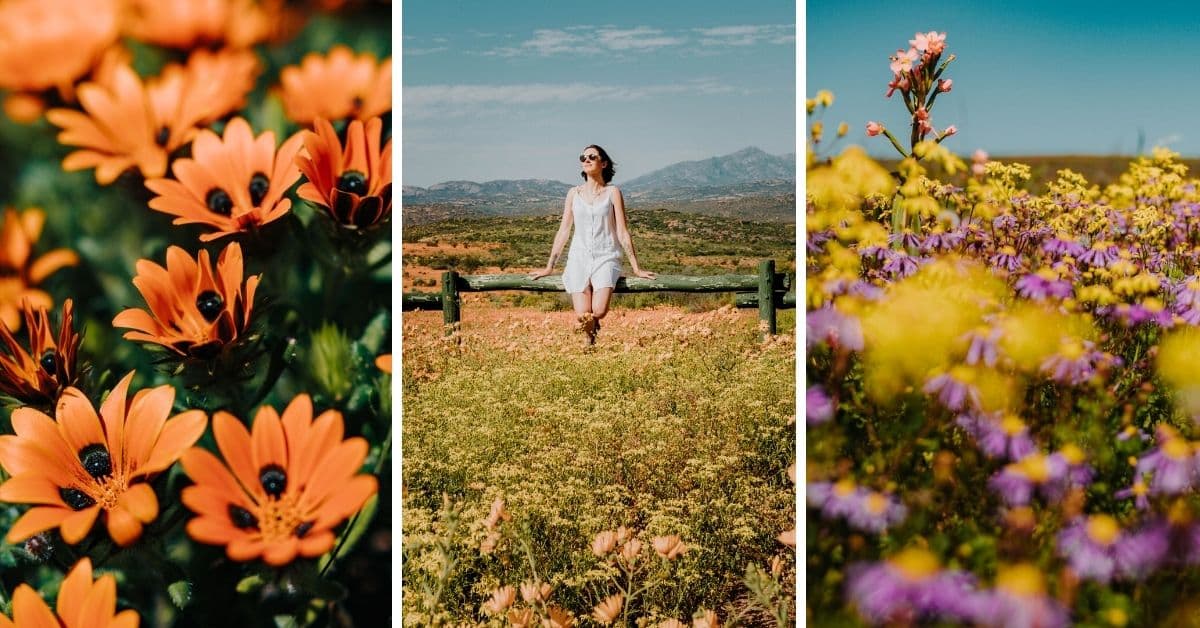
[1019, 601]
[18, 272]
[354, 186]
[232, 184]
[128, 123]
[339, 85]
[82, 603]
[193, 23]
[83, 463]
[910, 586]
[194, 312]
[47, 44]
[288, 483]
[38, 376]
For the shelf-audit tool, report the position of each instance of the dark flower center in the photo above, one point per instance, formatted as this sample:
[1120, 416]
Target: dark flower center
[242, 518]
[75, 498]
[259, 184]
[162, 136]
[352, 182]
[96, 461]
[273, 479]
[209, 303]
[218, 202]
[48, 363]
[304, 528]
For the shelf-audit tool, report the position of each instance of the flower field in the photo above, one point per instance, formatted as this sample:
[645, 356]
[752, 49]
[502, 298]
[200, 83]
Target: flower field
[194, 429]
[643, 482]
[1001, 387]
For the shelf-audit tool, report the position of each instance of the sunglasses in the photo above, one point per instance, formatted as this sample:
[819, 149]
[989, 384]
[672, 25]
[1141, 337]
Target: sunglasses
[583, 158]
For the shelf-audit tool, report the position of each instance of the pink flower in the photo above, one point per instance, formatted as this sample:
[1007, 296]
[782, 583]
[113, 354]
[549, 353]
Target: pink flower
[950, 130]
[979, 156]
[921, 113]
[903, 60]
[931, 43]
[874, 128]
[944, 85]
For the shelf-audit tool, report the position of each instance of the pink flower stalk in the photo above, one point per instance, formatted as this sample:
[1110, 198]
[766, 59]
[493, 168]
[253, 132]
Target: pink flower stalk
[944, 85]
[931, 43]
[903, 61]
[874, 128]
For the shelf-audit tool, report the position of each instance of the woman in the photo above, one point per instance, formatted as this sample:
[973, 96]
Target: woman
[597, 210]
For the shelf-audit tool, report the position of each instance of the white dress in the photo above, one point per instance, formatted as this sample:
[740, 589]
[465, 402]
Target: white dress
[594, 255]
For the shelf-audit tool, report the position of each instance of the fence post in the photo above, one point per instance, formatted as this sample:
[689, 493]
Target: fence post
[450, 304]
[766, 302]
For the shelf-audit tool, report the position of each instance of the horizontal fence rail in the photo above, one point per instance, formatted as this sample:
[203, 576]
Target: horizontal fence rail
[767, 290]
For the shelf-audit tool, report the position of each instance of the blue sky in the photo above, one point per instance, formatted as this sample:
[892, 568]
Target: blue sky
[1044, 77]
[516, 90]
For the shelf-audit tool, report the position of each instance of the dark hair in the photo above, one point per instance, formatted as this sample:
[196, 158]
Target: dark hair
[608, 171]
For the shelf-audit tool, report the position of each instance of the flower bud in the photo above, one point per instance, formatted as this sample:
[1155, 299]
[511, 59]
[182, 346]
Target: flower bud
[874, 128]
[950, 130]
[944, 85]
[842, 129]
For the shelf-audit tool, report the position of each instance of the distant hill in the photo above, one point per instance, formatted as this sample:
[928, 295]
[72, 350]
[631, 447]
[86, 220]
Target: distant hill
[749, 183]
[748, 165]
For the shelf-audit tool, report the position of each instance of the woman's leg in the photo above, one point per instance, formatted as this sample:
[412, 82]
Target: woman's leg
[600, 298]
[582, 301]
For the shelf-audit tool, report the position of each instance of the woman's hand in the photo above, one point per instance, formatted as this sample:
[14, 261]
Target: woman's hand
[645, 274]
[538, 274]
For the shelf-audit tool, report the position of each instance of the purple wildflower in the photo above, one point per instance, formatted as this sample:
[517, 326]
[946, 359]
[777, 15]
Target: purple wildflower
[1098, 549]
[1019, 601]
[998, 438]
[1172, 465]
[900, 264]
[1063, 246]
[1006, 258]
[910, 586]
[955, 389]
[816, 239]
[862, 508]
[818, 406]
[1044, 283]
[1149, 310]
[1187, 300]
[827, 325]
[938, 241]
[1076, 362]
[1139, 491]
[906, 238]
[1016, 482]
[982, 345]
[1100, 255]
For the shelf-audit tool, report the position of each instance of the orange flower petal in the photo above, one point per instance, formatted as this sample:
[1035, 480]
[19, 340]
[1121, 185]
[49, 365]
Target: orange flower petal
[347, 500]
[29, 611]
[125, 619]
[123, 527]
[270, 447]
[77, 524]
[50, 262]
[78, 422]
[179, 433]
[140, 501]
[147, 414]
[245, 548]
[316, 543]
[282, 552]
[233, 439]
[336, 466]
[35, 520]
[30, 489]
[113, 413]
[100, 603]
[217, 531]
[73, 590]
[207, 471]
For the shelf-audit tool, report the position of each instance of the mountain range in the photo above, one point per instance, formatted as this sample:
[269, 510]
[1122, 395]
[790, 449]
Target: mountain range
[749, 171]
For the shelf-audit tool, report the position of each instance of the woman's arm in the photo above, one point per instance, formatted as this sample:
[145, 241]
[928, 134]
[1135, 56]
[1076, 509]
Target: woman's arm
[624, 237]
[560, 238]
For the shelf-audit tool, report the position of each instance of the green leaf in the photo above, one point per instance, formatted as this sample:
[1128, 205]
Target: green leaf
[250, 583]
[181, 592]
[376, 332]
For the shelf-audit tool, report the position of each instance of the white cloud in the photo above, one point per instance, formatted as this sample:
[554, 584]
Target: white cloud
[747, 34]
[588, 40]
[423, 51]
[427, 101]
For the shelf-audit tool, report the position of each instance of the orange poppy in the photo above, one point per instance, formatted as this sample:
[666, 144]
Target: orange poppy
[233, 185]
[190, 24]
[74, 468]
[18, 273]
[126, 123]
[82, 603]
[336, 86]
[48, 44]
[37, 377]
[355, 185]
[193, 311]
[288, 483]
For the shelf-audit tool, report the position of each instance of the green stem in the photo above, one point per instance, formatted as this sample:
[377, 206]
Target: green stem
[895, 142]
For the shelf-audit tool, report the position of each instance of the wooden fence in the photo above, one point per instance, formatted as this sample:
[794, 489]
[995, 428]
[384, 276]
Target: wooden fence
[767, 290]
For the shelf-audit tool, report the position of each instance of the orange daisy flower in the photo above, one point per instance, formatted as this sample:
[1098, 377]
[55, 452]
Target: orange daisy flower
[190, 24]
[233, 185]
[82, 603]
[293, 479]
[37, 377]
[127, 123]
[18, 273]
[355, 185]
[336, 86]
[74, 468]
[48, 44]
[194, 311]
